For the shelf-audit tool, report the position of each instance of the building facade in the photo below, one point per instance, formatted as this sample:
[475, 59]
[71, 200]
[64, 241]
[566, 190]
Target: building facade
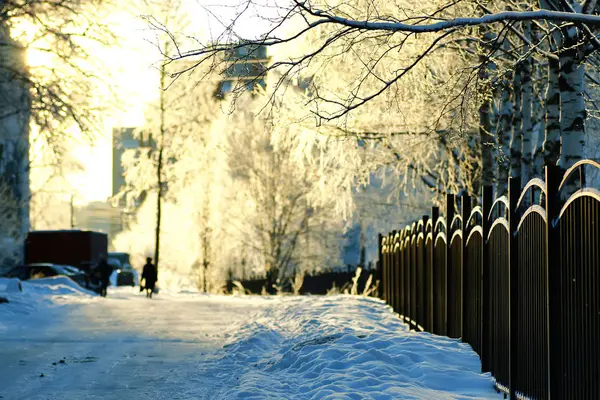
[246, 68]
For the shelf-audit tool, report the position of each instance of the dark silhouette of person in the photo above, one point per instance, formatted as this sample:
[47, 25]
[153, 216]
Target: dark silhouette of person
[149, 276]
[104, 271]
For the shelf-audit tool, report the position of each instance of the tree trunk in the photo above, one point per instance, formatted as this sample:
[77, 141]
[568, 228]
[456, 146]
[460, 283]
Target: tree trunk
[159, 164]
[158, 207]
[504, 134]
[552, 139]
[517, 134]
[206, 239]
[15, 114]
[486, 128]
[526, 123]
[538, 115]
[486, 133]
[573, 114]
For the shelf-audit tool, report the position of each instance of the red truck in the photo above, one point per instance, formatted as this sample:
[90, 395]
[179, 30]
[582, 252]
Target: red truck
[81, 249]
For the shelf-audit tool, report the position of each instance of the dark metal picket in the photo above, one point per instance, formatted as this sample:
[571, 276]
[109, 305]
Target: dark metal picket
[439, 278]
[429, 251]
[498, 264]
[396, 273]
[412, 257]
[455, 293]
[420, 263]
[406, 265]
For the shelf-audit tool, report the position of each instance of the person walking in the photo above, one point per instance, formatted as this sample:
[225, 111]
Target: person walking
[149, 276]
[104, 271]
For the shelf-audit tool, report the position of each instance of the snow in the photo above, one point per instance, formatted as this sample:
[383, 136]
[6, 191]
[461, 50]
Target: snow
[503, 16]
[56, 285]
[10, 285]
[189, 345]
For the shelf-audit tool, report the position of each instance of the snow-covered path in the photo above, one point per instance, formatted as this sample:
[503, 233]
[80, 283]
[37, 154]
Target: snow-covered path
[189, 346]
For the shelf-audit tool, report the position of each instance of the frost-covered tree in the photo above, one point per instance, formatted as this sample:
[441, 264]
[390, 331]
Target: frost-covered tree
[177, 167]
[368, 58]
[47, 81]
[15, 112]
[286, 231]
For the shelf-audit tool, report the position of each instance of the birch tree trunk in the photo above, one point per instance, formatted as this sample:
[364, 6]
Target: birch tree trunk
[485, 118]
[538, 116]
[504, 134]
[553, 113]
[517, 133]
[526, 123]
[486, 133]
[572, 112]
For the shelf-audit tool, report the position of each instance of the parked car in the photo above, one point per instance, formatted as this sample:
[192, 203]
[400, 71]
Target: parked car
[123, 273]
[46, 270]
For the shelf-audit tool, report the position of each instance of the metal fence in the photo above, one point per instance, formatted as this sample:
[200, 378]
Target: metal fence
[517, 278]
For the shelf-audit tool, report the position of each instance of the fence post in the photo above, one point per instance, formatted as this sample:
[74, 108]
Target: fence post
[554, 287]
[487, 201]
[387, 273]
[450, 201]
[390, 262]
[379, 267]
[514, 189]
[466, 213]
[435, 215]
[424, 275]
[404, 277]
[393, 271]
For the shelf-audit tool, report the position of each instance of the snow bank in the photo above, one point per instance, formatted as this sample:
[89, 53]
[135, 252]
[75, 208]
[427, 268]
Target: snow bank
[35, 303]
[344, 347]
[10, 285]
[56, 285]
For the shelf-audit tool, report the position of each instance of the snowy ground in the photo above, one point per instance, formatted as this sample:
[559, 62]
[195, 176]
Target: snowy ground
[192, 346]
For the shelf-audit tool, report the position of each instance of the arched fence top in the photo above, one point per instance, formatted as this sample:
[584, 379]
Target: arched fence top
[578, 166]
[500, 201]
[534, 209]
[476, 229]
[500, 221]
[413, 228]
[586, 192]
[531, 185]
[457, 233]
[456, 223]
[440, 236]
[440, 224]
[396, 237]
[420, 225]
[476, 213]
[429, 224]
